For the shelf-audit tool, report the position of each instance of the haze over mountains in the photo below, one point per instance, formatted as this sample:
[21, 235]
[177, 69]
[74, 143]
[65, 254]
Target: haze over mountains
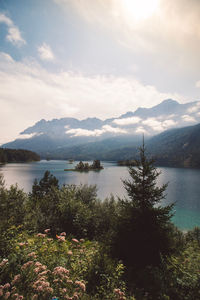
[86, 139]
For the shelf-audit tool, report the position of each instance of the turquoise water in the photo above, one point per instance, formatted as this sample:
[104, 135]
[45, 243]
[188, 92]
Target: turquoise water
[183, 188]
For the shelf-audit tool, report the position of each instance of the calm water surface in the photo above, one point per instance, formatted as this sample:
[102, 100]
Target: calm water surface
[183, 188]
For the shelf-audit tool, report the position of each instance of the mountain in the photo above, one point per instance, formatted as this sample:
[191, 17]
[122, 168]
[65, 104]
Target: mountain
[177, 147]
[60, 138]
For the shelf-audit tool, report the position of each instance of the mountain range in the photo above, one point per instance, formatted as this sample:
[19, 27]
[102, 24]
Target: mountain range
[114, 138]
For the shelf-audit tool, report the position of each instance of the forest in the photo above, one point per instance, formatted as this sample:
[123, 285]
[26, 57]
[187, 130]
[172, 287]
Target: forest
[62, 242]
[17, 155]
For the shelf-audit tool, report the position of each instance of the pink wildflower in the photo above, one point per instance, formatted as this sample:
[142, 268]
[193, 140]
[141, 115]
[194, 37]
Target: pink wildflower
[7, 295]
[6, 286]
[4, 262]
[81, 285]
[32, 254]
[47, 230]
[75, 241]
[26, 265]
[63, 233]
[41, 235]
[60, 271]
[60, 238]
[16, 279]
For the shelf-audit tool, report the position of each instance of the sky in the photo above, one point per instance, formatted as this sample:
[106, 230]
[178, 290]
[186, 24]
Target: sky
[94, 58]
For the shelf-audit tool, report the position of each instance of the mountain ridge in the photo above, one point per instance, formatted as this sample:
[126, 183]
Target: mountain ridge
[46, 137]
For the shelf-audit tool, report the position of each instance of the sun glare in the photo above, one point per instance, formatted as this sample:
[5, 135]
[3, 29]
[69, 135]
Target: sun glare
[139, 9]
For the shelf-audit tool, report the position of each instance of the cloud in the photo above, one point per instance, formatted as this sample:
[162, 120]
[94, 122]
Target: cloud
[169, 123]
[173, 22]
[194, 108]
[197, 84]
[96, 132]
[157, 125]
[28, 136]
[127, 121]
[141, 129]
[187, 118]
[45, 52]
[37, 93]
[14, 35]
[153, 123]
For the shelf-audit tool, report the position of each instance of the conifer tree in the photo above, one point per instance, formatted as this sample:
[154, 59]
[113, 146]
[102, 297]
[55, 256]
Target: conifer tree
[144, 231]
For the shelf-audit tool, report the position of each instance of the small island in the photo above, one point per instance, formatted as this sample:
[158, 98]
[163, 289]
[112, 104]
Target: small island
[85, 167]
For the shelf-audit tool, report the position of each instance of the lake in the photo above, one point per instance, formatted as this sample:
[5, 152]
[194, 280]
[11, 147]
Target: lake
[183, 188]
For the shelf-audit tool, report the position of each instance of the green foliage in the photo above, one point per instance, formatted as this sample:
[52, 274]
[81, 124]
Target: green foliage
[143, 231]
[39, 267]
[19, 155]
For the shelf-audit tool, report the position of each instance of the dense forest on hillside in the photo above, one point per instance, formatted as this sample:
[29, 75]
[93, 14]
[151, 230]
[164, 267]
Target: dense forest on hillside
[62, 242]
[16, 155]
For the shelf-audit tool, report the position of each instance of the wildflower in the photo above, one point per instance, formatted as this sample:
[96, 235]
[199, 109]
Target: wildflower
[26, 265]
[41, 235]
[6, 286]
[22, 244]
[7, 295]
[63, 233]
[4, 261]
[32, 254]
[75, 296]
[69, 252]
[60, 238]
[60, 271]
[81, 285]
[16, 279]
[75, 241]
[47, 230]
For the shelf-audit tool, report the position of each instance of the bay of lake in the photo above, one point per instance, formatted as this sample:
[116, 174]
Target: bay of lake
[183, 184]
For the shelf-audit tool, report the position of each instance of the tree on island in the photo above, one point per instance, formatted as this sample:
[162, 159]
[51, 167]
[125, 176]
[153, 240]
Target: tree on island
[143, 231]
[96, 165]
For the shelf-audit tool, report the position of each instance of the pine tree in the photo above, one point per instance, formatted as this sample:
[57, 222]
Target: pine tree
[144, 231]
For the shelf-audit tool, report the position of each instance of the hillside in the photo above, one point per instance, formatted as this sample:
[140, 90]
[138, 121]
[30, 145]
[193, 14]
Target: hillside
[13, 155]
[177, 147]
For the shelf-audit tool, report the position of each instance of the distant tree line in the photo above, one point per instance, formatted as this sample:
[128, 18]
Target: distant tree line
[17, 155]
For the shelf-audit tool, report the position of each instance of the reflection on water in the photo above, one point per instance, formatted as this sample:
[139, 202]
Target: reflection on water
[183, 188]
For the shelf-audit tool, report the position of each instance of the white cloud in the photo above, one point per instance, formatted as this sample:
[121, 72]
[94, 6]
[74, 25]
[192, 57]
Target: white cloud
[37, 94]
[45, 52]
[187, 118]
[153, 123]
[14, 35]
[96, 132]
[194, 108]
[169, 123]
[197, 84]
[159, 125]
[27, 136]
[171, 23]
[140, 129]
[127, 121]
